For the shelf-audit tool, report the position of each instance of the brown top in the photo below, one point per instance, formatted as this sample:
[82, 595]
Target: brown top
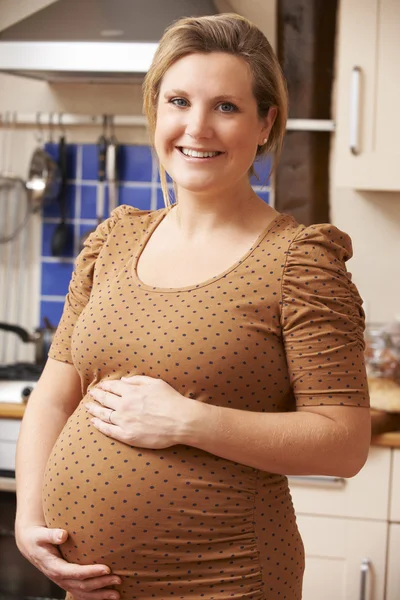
[286, 313]
[282, 326]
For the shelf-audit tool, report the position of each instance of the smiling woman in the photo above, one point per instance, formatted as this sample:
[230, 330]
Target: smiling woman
[206, 351]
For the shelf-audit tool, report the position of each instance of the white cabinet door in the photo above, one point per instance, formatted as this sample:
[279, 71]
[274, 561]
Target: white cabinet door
[336, 551]
[393, 568]
[395, 494]
[368, 95]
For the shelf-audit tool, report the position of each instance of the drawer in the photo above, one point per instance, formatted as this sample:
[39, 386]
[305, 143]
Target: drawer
[365, 496]
[343, 556]
[9, 429]
[7, 455]
[395, 492]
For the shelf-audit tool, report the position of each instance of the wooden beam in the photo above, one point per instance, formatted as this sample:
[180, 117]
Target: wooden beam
[306, 41]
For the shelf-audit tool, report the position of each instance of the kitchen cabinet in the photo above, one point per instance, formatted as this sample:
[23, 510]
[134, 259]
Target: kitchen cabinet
[393, 572]
[336, 551]
[368, 95]
[351, 539]
[395, 495]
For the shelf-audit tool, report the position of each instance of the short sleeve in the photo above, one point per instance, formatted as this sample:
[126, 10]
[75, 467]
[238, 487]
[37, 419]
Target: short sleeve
[81, 285]
[323, 320]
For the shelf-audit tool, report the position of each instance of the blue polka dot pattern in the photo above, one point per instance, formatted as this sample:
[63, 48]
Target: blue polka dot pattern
[282, 327]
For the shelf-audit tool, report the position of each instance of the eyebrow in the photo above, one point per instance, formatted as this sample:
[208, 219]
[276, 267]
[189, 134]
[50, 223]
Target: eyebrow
[215, 99]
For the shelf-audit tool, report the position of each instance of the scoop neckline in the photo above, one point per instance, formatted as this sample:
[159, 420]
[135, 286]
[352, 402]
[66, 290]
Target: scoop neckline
[149, 232]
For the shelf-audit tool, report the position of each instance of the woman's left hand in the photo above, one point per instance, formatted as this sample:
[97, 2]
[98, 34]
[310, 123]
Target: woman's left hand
[142, 411]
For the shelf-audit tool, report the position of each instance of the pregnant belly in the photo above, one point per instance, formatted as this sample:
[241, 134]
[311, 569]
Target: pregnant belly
[151, 513]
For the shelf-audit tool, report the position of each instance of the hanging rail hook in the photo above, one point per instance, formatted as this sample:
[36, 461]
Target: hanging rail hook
[61, 124]
[39, 131]
[51, 128]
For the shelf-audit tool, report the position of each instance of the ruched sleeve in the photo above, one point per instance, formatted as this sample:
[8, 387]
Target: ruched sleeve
[81, 285]
[323, 320]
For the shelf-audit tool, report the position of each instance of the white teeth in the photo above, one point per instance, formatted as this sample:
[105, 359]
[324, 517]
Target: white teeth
[196, 154]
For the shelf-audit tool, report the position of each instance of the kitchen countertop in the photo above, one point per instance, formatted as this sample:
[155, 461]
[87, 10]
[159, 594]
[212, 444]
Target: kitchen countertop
[389, 439]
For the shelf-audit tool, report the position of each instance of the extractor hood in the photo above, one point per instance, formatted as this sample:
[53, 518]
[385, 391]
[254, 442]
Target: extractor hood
[92, 40]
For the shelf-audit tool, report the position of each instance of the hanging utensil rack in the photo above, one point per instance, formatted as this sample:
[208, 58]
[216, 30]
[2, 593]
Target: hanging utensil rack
[73, 120]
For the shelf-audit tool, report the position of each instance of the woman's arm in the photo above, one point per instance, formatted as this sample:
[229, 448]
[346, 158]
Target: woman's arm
[324, 440]
[53, 400]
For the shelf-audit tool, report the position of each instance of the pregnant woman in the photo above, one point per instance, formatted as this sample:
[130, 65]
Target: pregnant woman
[206, 351]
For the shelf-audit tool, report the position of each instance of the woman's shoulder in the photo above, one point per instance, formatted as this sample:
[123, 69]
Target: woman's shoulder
[315, 242]
[128, 213]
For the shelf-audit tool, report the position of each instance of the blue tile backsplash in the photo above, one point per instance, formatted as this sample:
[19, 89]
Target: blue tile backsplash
[139, 186]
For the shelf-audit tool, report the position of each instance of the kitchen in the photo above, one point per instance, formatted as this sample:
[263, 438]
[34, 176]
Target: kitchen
[361, 514]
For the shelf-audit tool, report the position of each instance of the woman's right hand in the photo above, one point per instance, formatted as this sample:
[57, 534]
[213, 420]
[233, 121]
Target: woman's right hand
[85, 582]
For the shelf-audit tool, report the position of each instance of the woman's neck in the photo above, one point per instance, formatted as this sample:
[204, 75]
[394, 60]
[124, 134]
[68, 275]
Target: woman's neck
[196, 214]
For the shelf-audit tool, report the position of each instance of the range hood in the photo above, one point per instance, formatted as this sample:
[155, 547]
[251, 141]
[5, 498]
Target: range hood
[92, 40]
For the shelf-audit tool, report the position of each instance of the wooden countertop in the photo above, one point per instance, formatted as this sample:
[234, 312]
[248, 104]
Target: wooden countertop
[389, 439]
[8, 410]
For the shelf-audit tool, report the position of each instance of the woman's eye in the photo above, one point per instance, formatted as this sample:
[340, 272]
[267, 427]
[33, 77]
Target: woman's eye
[179, 101]
[227, 107]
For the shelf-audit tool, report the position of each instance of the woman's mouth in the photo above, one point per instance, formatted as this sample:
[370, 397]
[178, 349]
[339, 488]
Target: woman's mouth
[201, 154]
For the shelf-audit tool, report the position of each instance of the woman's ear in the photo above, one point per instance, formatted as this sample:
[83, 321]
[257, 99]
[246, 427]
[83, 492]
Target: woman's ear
[267, 125]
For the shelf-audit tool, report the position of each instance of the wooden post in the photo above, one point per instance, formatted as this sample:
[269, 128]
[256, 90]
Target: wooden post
[306, 43]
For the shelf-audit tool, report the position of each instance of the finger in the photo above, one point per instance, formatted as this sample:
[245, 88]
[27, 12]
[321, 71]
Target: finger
[115, 386]
[105, 398]
[95, 595]
[110, 430]
[101, 412]
[58, 568]
[139, 379]
[94, 583]
[43, 536]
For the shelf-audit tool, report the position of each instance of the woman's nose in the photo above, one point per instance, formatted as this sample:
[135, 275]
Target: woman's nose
[198, 124]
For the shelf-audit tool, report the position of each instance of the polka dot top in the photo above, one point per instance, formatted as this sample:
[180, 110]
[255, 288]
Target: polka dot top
[283, 327]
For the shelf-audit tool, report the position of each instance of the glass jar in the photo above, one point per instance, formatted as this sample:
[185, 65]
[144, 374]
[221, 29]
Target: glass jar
[382, 358]
[382, 352]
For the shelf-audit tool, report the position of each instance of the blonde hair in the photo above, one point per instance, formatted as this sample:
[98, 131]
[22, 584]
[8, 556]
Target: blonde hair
[232, 34]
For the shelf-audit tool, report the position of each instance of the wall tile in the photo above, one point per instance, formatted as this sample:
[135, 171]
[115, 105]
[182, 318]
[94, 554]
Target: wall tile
[88, 201]
[55, 278]
[47, 234]
[51, 310]
[160, 198]
[53, 208]
[139, 197]
[264, 195]
[263, 169]
[135, 163]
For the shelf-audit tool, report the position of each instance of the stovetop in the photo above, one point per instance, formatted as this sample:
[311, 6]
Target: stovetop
[23, 371]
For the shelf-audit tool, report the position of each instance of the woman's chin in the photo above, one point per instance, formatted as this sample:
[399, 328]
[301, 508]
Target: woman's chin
[197, 186]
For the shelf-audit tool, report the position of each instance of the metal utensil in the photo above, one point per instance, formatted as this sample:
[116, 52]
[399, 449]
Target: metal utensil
[111, 168]
[61, 235]
[42, 337]
[44, 179]
[101, 177]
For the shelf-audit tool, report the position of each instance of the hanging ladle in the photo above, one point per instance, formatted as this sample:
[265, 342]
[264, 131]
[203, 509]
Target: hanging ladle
[61, 235]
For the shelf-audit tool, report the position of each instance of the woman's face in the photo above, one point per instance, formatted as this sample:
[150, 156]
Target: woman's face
[206, 105]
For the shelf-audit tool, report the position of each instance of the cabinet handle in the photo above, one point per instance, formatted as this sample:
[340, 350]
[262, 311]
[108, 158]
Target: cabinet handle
[365, 567]
[355, 110]
[320, 480]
